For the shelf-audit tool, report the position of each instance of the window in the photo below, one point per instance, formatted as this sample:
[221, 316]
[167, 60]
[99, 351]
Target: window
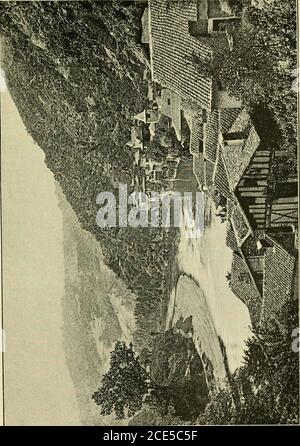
[219, 25]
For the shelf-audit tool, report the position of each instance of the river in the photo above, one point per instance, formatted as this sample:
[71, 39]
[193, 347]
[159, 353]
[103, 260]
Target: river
[202, 291]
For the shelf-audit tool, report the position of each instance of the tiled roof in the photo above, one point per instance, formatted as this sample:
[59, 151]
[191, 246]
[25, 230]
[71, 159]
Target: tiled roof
[228, 117]
[231, 238]
[221, 182]
[211, 136]
[278, 277]
[250, 247]
[209, 173]
[198, 167]
[196, 134]
[172, 50]
[240, 224]
[242, 122]
[230, 207]
[237, 158]
[244, 287]
[278, 280]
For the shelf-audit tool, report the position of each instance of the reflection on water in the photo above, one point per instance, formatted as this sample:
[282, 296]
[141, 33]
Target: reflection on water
[215, 309]
[188, 299]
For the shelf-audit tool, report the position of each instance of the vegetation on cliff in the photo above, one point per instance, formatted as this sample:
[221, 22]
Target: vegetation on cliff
[75, 71]
[265, 390]
[173, 389]
[170, 384]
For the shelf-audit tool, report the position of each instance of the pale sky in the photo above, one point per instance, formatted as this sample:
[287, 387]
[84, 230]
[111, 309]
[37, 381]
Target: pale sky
[38, 387]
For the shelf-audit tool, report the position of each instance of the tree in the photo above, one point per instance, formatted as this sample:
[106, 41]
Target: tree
[127, 385]
[75, 72]
[258, 67]
[177, 387]
[156, 151]
[220, 410]
[148, 417]
[241, 69]
[265, 390]
[124, 386]
[274, 367]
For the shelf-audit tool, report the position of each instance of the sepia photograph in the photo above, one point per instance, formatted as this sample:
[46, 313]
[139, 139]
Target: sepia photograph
[149, 214]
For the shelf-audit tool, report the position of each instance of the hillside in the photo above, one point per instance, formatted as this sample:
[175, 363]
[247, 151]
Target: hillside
[75, 72]
[97, 310]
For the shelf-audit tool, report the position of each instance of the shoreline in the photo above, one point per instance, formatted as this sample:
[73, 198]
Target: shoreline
[200, 261]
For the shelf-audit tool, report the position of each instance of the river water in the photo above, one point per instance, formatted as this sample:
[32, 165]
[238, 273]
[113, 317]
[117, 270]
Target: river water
[202, 291]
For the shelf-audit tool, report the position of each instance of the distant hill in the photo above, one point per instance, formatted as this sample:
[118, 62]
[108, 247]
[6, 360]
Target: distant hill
[97, 309]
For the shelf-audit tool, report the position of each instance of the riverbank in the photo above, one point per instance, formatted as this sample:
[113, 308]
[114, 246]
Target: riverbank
[188, 301]
[206, 296]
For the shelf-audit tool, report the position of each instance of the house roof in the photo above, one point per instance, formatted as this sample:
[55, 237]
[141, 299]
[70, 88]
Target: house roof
[220, 121]
[231, 241]
[238, 157]
[239, 229]
[173, 48]
[198, 168]
[242, 122]
[244, 287]
[141, 116]
[240, 224]
[228, 118]
[196, 134]
[230, 162]
[209, 173]
[278, 279]
[221, 182]
[211, 139]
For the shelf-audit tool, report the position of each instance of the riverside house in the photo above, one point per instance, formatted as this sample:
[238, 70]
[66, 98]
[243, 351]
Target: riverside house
[230, 161]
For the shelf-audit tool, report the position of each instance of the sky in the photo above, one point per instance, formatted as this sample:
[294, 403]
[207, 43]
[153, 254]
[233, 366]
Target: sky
[38, 387]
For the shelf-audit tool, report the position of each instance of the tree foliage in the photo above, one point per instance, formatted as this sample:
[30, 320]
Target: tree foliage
[265, 390]
[258, 66]
[124, 386]
[174, 386]
[75, 72]
[127, 386]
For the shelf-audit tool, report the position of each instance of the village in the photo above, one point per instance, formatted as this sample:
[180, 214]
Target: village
[229, 158]
[160, 136]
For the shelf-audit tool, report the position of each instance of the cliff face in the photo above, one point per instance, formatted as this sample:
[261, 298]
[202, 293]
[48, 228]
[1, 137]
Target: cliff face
[75, 72]
[97, 310]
